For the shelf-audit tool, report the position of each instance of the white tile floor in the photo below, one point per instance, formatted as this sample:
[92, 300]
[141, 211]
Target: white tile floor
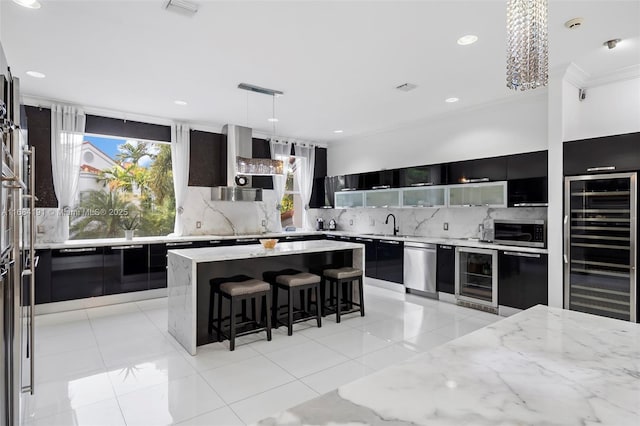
[117, 365]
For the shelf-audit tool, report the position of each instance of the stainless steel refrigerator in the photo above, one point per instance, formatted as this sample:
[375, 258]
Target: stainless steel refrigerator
[17, 255]
[600, 245]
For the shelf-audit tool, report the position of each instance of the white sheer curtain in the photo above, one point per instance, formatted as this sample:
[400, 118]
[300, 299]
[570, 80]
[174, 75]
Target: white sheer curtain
[304, 176]
[67, 133]
[280, 151]
[180, 144]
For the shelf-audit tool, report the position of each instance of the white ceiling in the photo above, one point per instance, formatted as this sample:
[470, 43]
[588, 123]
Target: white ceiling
[337, 61]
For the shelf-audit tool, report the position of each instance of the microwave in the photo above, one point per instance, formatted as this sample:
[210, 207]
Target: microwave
[526, 233]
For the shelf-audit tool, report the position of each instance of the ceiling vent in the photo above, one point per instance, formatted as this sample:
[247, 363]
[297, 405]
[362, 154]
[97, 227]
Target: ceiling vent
[182, 7]
[406, 87]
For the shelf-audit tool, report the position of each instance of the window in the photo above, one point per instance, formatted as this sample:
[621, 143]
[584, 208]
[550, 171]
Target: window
[291, 202]
[124, 184]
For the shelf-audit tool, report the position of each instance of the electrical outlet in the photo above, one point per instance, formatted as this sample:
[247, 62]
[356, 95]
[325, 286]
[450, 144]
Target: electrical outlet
[372, 221]
[445, 226]
[264, 222]
[198, 225]
[40, 229]
[351, 222]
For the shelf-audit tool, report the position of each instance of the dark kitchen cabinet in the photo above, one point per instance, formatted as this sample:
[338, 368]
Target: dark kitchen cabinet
[333, 184]
[319, 173]
[380, 179]
[522, 279]
[446, 269]
[157, 266]
[528, 165]
[390, 261]
[483, 169]
[617, 153]
[354, 182]
[370, 256]
[207, 159]
[76, 273]
[422, 175]
[126, 268]
[531, 192]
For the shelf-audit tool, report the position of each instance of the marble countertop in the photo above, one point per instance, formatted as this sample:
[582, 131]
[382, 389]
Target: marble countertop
[102, 242]
[462, 242]
[215, 254]
[542, 366]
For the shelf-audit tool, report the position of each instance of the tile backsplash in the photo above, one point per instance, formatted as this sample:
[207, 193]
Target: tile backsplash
[462, 222]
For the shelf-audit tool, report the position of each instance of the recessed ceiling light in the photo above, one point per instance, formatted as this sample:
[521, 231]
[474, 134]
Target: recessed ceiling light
[338, 131]
[272, 120]
[467, 39]
[181, 103]
[451, 100]
[31, 4]
[35, 74]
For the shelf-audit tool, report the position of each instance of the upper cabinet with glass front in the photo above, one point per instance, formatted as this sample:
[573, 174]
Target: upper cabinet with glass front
[490, 194]
[428, 196]
[349, 199]
[383, 198]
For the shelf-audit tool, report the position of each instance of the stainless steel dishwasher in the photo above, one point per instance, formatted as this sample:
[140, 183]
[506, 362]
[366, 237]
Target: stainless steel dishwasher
[420, 260]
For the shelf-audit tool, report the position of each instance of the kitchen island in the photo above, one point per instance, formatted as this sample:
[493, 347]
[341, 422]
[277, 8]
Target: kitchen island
[541, 366]
[189, 272]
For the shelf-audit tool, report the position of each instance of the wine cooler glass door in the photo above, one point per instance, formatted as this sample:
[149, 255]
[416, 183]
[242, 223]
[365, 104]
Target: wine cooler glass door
[476, 278]
[600, 245]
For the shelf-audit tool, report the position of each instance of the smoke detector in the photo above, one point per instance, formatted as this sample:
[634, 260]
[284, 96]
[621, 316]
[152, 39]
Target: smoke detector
[183, 7]
[574, 23]
[406, 87]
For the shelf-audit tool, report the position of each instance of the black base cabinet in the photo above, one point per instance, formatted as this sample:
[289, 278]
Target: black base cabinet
[522, 279]
[446, 269]
[370, 256]
[126, 268]
[390, 261]
[76, 273]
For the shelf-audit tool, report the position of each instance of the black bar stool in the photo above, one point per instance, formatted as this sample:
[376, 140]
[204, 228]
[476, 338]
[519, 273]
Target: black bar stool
[235, 291]
[302, 281]
[214, 290]
[270, 277]
[340, 281]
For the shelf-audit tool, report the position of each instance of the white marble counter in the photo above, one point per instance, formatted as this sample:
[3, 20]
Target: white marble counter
[459, 242]
[544, 366]
[184, 285]
[101, 242]
[216, 254]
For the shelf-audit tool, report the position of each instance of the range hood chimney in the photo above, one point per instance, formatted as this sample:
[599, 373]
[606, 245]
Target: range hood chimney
[239, 144]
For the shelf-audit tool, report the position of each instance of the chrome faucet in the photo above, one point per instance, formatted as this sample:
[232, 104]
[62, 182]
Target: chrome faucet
[395, 228]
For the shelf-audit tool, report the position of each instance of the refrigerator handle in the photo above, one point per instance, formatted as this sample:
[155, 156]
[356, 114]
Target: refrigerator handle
[566, 239]
[33, 263]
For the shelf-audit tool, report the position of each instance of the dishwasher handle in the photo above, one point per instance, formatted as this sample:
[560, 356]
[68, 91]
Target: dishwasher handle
[423, 246]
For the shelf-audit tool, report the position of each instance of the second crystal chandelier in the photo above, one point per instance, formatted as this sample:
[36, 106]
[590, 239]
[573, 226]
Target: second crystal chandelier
[527, 44]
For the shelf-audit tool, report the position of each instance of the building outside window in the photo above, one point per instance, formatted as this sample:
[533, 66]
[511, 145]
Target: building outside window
[124, 184]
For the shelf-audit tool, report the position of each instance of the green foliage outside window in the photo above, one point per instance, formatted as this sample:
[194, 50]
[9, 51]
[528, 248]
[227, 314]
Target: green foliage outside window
[129, 190]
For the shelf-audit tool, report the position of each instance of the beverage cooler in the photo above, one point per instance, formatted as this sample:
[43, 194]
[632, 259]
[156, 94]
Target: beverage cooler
[477, 277]
[600, 245]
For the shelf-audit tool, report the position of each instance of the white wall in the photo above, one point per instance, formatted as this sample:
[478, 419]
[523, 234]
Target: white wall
[608, 109]
[496, 129]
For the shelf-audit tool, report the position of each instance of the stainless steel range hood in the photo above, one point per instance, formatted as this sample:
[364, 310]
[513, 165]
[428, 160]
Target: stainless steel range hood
[239, 144]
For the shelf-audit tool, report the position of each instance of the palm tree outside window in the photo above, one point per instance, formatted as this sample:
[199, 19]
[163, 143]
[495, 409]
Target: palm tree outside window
[120, 179]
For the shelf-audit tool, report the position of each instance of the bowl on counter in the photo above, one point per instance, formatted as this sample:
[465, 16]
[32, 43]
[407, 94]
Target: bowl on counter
[269, 243]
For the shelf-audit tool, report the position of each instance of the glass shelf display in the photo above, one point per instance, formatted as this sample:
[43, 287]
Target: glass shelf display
[259, 166]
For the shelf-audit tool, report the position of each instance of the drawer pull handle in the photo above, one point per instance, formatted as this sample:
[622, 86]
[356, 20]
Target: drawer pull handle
[601, 169]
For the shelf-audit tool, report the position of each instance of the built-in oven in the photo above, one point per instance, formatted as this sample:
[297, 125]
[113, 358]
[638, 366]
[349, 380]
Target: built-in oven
[476, 283]
[523, 232]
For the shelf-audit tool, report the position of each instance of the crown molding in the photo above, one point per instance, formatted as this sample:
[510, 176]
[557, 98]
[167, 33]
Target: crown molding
[576, 76]
[628, 73]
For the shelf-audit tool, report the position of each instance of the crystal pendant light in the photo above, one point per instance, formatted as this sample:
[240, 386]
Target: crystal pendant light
[527, 44]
